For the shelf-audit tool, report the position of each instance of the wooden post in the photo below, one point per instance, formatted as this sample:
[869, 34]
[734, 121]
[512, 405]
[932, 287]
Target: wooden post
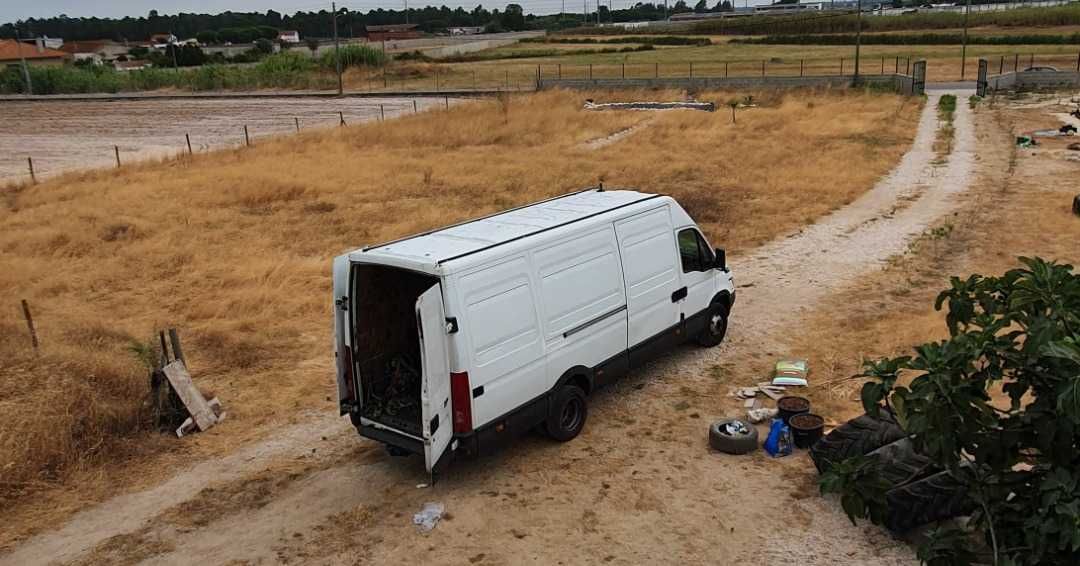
[762, 67]
[116, 148]
[30, 325]
[1001, 65]
[436, 80]
[384, 83]
[801, 61]
[691, 69]
[247, 138]
[446, 100]
[897, 68]
[725, 69]
[1016, 62]
[590, 71]
[174, 340]
[1031, 60]
[508, 79]
[883, 64]
[559, 71]
[341, 117]
[30, 162]
[624, 70]
[414, 106]
[656, 70]
[841, 66]
[297, 120]
[907, 65]
[382, 113]
[188, 138]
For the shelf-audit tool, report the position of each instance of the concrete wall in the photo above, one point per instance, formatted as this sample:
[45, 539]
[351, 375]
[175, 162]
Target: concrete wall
[895, 81]
[1034, 80]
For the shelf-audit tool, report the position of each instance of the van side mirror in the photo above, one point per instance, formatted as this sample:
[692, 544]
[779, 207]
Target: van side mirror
[721, 259]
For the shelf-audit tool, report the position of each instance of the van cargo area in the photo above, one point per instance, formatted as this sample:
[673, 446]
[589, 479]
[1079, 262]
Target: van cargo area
[387, 344]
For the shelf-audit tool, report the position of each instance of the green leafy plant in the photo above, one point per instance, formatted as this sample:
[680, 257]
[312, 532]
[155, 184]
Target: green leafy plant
[861, 487]
[997, 405]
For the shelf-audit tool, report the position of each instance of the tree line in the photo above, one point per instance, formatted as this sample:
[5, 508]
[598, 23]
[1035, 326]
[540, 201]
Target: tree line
[246, 27]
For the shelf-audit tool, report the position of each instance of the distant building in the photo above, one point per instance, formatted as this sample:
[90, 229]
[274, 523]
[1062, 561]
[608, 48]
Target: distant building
[13, 52]
[465, 30]
[161, 40]
[289, 36]
[131, 65]
[99, 51]
[392, 32]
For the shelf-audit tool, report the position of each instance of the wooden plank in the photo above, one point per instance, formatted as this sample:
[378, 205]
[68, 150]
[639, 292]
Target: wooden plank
[770, 394]
[196, 404]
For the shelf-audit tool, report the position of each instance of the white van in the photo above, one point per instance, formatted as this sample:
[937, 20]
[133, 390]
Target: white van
[456, 340]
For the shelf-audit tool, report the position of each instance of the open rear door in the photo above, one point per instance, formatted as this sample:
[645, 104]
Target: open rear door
[435, 388]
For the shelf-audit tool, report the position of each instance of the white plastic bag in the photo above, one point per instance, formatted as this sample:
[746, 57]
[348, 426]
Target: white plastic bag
[429, 516]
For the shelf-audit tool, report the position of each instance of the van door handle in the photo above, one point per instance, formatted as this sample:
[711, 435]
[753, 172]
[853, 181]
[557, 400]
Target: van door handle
[678, 295]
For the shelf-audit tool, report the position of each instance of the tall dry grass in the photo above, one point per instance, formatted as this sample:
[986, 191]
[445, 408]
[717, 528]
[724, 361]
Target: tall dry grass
[234, 247]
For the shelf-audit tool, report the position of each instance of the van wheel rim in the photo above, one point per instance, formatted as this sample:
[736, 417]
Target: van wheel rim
[571, 415]
[717, 324]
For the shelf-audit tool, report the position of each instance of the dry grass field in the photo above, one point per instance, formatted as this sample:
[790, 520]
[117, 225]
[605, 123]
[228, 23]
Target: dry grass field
[234, 247]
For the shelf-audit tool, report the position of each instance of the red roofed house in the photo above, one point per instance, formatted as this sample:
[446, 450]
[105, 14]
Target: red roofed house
[392, 32]
[12, 52]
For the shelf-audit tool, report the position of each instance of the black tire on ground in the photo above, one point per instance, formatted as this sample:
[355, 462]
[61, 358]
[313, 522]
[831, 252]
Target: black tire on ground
[1076, 205]
[933, 498]
[856, 437]
[732, 444]
[899, 463]
[715, 326]
[567, 413]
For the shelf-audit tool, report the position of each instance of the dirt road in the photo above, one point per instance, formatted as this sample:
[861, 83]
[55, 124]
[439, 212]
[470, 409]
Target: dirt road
[638, 486]
[68, 135]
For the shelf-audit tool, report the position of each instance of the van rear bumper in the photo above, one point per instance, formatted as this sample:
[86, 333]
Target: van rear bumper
[392, 438]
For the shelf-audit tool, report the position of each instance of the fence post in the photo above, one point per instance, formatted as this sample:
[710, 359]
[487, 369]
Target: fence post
[762, 67]
[656, 70]
[1016, 62]
[801, 62]
[446, 101]
[883, 64]
[247, 138]
[907, 65]
[507, 79]
[384, 83]
[1078, 62]
[560, 71]
[691, 69]
[341, 118]
[1001, 65]
[116, 149]
[897, 69]
[30, 162]
[841, 66]
[725, 69]
[30, 325]
[382, 113]
[624, 70]
[1031, 60]
[590, 71]
[188, 138]
[414, 106]
[436, 80]
[297, 120]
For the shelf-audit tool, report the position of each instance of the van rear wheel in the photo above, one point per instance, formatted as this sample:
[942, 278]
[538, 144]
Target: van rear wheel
[567, 413]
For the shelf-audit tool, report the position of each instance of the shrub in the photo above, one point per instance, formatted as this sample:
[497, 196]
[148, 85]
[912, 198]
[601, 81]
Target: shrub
[1018, 335]
[353, 56]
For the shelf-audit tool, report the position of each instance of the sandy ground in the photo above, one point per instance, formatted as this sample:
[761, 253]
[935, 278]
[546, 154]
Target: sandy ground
[68, 135]
[638, 486]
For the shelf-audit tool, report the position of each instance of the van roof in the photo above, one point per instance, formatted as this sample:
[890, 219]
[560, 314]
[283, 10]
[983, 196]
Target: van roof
[455, 243]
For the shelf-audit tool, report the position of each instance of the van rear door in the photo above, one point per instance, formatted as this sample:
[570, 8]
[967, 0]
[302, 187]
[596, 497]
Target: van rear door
[435, 384]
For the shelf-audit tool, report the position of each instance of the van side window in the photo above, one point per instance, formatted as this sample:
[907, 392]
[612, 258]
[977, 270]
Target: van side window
[695, 253]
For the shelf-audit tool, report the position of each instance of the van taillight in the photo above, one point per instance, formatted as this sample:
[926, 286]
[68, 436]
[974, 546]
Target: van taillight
[462, 404]
[350, 377]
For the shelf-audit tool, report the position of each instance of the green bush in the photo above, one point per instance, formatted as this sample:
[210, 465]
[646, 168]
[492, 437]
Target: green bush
[353, 56]
[913, 39]
[1015, 454]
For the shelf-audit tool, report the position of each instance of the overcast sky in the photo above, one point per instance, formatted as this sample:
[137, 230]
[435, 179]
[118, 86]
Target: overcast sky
[12, 10]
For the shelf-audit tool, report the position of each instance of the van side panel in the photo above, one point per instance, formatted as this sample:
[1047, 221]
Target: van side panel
[582, 300]
[505, 346]
[647, 247]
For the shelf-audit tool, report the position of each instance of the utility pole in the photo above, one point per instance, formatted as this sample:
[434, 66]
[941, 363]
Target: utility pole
[22, 60]
[337, 51]
[963, 44]
[858, 40]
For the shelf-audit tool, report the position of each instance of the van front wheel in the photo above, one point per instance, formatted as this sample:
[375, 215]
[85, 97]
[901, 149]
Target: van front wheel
[715, 325]
[567, 413]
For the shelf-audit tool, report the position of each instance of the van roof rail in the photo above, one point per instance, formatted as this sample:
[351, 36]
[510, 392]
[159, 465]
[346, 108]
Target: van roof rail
[542, 230]
[463, 222]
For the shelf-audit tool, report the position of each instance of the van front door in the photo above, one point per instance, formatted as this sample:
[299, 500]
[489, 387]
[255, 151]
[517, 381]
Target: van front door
[648, 252]
[698, 275]
[435, 385]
